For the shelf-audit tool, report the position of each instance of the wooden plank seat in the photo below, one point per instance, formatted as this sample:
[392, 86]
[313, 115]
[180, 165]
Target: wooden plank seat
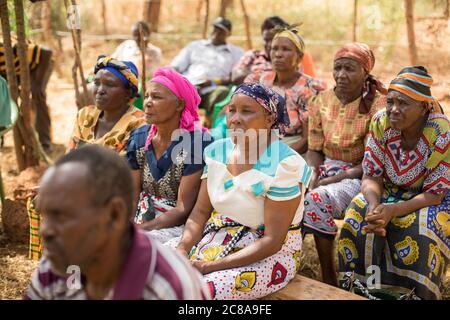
[303, 288]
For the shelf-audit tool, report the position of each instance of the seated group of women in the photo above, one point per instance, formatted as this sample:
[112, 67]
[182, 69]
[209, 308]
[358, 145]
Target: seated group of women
[239, 207]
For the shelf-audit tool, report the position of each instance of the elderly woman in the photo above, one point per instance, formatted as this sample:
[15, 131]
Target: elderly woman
[113, 117]
[108, 123]
[253, 184]
[167, 154]
[401, 220]
[339, 121]
[287, 50]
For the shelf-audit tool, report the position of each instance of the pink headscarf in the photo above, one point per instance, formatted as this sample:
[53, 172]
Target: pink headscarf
[186, 92]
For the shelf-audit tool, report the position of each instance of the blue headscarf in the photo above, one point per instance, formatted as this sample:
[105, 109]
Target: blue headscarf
[126, 71]
[269, 100]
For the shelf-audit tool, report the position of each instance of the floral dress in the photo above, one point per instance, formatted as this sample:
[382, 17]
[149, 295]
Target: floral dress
[416, 250]
[280, 174]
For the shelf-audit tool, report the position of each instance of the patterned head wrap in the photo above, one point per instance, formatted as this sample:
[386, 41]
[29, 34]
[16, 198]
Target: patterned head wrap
[126, 71]
[415, 82]
[292, 34]
[361, 53]
[269, 100]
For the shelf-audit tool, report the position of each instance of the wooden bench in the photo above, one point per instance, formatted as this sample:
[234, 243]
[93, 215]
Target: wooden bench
[303, 288]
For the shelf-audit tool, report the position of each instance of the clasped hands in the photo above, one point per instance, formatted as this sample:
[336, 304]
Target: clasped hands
[378, 216]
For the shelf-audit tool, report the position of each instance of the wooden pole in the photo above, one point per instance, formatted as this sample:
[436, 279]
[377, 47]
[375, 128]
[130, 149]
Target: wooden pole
[205, 22]
[105, 29]
[355, 20]
[29, 137]
[409, 14]
[143, 50]
[247, 26]
[447, 9]
[76, 39]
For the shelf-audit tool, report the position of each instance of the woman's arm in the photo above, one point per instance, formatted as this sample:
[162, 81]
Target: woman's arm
[278, 217]
[193, 230]
[136, 174]
[354, 172]
[187, 194]
[314, 159]
[372, 190]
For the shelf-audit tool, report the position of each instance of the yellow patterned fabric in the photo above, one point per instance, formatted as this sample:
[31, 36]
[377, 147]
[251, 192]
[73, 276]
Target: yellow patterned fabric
[116, 138]
[35, 248]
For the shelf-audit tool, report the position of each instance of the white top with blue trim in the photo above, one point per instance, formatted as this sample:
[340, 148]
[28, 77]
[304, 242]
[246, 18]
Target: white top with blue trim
[280, 174]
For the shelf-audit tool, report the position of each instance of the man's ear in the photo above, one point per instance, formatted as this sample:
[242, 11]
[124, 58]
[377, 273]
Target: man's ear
[270, 120]
[117, 213]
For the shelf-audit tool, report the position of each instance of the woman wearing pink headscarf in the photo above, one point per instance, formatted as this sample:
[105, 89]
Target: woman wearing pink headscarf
[167, 154]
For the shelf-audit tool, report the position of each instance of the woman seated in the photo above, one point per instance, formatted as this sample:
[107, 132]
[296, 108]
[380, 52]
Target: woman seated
[401, 220]
[243, 233]
[286, 52]
[339, 122]
[254, 62]
[108, 123]
[113, 117]
[167, 154]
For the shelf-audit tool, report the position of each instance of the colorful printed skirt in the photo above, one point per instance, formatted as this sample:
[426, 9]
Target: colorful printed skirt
[413, 255]
[223, 236]
[151, 207]
[326, 203]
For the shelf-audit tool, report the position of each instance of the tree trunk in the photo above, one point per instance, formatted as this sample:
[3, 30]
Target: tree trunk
[152, 9]
[409, 9]
[105, 28]
[247, 26]
[355, 20]
[447, 9]
[81, 99]
[12, 79]
[224, 5]
[29, 136]
[205, 22]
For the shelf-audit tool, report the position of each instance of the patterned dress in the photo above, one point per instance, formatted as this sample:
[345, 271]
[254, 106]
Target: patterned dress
[416, 250]
[339, 132]
[280, 174]
[116, 138]
[160, 178]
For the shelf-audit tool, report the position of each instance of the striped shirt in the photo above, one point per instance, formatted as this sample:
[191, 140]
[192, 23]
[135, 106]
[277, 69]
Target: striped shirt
[152, 272]
[34, 55]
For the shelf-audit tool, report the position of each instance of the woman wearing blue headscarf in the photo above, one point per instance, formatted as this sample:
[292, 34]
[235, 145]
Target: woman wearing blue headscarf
[244, 231]
[113, 117]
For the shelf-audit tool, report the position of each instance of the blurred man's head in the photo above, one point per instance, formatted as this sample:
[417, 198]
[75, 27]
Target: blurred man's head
[86, 202]
[221, 31]
[136, 33]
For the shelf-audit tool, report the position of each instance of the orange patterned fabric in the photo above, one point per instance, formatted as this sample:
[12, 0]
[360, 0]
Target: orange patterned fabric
[337, 130]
